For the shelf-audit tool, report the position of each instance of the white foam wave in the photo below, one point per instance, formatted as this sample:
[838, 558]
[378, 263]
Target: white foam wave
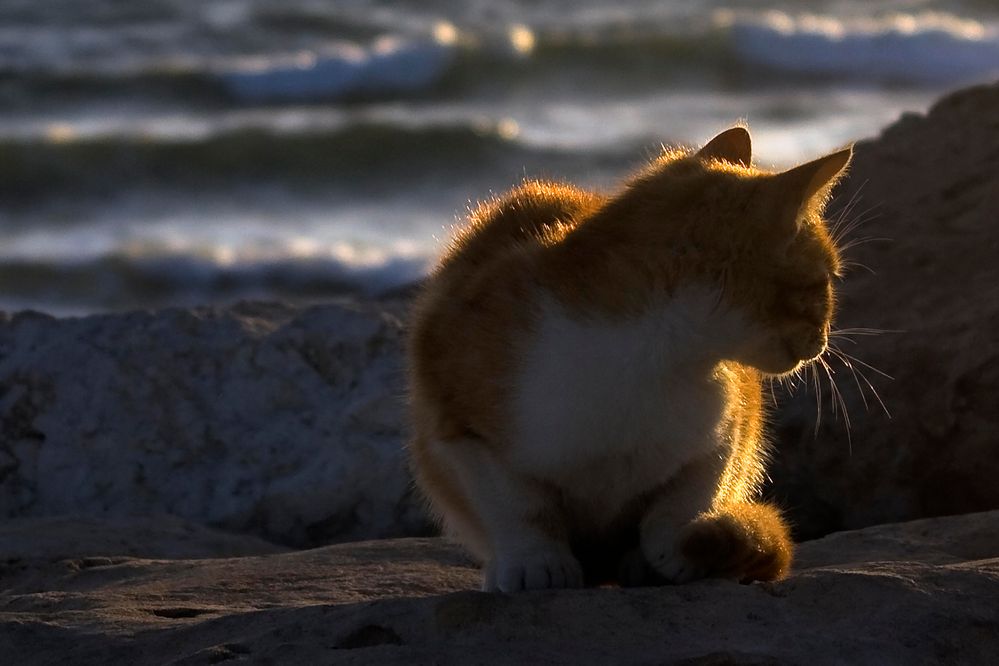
[930, 47]
[391, 65]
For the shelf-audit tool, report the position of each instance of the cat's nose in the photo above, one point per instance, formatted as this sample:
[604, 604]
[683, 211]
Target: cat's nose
[812, 305]
[815, 345]
[808, 342]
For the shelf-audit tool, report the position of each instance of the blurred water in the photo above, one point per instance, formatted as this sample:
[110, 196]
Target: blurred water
[180, 151]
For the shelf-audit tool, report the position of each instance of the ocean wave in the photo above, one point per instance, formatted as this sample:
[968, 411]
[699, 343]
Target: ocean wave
[389, 67]
[351, 155]
[929, 47]
[445, 60]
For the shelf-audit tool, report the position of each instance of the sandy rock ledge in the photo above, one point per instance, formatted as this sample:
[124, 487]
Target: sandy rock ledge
[916, 593]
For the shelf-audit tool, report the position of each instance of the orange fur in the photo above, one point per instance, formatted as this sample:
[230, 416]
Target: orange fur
[706, 220]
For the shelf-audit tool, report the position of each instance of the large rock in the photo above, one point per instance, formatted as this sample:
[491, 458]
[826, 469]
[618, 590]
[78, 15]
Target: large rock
[269, 419]
[918, 593]
[928, 189]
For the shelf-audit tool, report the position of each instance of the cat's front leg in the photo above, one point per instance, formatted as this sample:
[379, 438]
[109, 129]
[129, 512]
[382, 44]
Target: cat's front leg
[520, 532]
[671, 509]
[530, 549]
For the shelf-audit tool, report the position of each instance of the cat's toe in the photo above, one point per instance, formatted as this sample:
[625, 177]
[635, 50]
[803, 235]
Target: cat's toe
[539, 571]
[676, 568]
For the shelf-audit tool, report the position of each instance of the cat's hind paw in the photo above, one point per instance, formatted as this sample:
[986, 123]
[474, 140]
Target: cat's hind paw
[540, 570]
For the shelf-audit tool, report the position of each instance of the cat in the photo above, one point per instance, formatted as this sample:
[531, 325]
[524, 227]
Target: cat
[586, 371]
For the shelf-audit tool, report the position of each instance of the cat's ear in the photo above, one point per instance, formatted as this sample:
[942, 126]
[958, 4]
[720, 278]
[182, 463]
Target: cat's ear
[799, 188]
[803, 182]
[732, 145]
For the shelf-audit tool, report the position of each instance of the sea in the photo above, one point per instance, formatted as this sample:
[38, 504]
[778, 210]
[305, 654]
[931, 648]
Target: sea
[162, 153]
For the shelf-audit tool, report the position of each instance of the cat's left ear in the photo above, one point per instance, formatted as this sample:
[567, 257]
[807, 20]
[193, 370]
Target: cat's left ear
[733, 145]
[803, 183]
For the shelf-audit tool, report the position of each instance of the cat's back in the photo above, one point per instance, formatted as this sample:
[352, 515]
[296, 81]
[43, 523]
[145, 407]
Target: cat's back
[480, 299]
[537, 213]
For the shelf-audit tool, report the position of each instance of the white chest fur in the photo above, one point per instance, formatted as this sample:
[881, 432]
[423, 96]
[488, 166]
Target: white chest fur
[607, 409]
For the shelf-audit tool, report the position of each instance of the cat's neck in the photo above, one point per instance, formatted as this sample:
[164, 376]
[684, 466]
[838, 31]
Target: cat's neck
[686, 332]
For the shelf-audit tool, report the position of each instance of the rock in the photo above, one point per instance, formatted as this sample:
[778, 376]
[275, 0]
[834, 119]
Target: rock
[927, 192]
[279, 421]
[160, 537]
[916, 593]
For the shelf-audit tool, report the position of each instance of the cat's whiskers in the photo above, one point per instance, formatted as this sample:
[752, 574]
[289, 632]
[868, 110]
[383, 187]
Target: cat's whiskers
[865, 216]
[770, 385]
[837, 400]
[836, 396]
[817, 385]
[845, 333]
[845, 224]
[836, 228]
[852, 363]
[849, 265]
[846, 221]
[864, 240]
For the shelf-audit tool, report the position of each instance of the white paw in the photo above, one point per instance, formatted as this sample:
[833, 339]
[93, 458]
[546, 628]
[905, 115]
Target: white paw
[661, 548]
[676, 568]
[538, 570]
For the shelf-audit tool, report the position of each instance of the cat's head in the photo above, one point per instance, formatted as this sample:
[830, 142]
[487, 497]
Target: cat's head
[761, 237]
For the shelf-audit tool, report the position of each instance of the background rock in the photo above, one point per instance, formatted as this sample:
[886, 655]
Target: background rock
[261, 418]
[929, 186]
[919, 593]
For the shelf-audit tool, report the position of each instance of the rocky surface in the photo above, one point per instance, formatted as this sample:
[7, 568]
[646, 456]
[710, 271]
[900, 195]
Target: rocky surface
[927, 194]
[916, 593]
[154, 536]
[261, 418]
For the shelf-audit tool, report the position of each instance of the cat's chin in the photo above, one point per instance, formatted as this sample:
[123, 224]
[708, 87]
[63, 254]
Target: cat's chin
[782, 360]
[784, 372]
[782, 369]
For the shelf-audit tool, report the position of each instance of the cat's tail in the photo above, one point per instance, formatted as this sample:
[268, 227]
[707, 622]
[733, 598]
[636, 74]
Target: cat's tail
[746, 541]
[535, 212]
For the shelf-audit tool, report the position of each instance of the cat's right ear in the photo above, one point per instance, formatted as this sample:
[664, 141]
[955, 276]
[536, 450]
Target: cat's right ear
[733, 145]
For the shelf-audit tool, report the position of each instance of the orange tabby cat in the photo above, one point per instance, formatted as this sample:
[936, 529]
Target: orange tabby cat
[586, 370]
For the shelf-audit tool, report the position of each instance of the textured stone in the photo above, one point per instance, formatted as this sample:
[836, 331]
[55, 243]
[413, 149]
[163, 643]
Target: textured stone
[916, 593]
[262, 418]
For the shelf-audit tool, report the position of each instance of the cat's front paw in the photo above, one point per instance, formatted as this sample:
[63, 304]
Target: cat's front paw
[669, 551]
[670, 563]
[720, 546]
[535, 570]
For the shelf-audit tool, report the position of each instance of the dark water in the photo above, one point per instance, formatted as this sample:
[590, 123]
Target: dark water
[175, 151]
